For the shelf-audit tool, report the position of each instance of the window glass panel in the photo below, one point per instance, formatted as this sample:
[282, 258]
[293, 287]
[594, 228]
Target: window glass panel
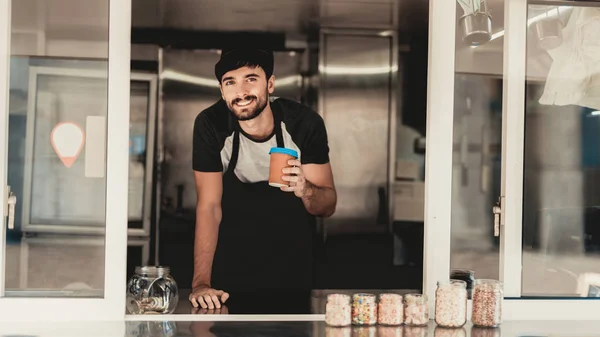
[561, 236]
[57, 148]
[477, 139]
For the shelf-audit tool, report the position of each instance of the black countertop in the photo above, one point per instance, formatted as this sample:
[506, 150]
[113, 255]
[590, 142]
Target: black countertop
[296, 329]
[318, 328]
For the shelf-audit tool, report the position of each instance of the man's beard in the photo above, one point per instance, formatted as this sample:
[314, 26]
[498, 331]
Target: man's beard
[250, 112]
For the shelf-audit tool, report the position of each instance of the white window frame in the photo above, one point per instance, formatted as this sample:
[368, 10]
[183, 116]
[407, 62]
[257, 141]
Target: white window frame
[438, 145]
[112, 305]
[438, 174]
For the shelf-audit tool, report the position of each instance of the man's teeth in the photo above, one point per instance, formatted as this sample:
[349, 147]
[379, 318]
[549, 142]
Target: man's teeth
[244, 103]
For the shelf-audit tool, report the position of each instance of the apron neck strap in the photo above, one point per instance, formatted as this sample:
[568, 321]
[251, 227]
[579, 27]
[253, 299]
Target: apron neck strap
[277, 119]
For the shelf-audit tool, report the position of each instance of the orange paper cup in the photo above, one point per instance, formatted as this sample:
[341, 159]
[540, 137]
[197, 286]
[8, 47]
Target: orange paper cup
[279, 160]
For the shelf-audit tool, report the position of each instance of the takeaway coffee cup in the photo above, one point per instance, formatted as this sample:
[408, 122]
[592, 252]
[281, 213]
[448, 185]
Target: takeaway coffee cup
[279, 160]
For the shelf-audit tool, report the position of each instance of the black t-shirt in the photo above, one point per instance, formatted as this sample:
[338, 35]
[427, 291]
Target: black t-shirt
[303, 130]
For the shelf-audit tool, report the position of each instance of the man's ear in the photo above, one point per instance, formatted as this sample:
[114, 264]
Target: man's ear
[271, 84]
[221, 89]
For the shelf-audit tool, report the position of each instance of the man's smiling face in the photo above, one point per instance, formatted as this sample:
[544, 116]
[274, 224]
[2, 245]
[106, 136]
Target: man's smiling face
[246, 91]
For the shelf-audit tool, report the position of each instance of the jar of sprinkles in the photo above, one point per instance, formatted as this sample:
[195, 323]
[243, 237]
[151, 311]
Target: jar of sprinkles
[390, 309]
[364, 309]
[338, 310]
[416, 312]
[451, 304]
[487, 303]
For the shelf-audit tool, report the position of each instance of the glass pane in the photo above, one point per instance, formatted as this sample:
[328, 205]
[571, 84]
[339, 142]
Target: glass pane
[561, 237]
[138, 133]
[57, 148]
[477, 141]
[62, 193]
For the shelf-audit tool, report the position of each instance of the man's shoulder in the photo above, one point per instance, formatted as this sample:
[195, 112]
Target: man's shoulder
[215, 116]
[297, 114]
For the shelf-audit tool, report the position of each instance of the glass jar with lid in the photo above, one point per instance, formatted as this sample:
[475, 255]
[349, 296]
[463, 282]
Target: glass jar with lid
[451, 304]
[364, 309]
[390, 309]
[487, 303]
[338, 310]
[152, 290]
[416, 312]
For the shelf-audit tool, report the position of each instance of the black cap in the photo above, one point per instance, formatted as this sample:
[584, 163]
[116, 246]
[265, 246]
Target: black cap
[232, 59]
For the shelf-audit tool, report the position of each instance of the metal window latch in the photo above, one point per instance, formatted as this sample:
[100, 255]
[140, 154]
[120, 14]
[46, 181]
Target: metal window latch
[497, 210]
[12, 202]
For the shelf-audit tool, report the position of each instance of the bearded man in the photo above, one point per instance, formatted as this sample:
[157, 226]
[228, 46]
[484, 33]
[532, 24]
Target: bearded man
[252, 237]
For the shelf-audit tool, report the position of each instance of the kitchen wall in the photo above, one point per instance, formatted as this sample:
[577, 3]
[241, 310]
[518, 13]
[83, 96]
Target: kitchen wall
[357, 112]
[69, 28]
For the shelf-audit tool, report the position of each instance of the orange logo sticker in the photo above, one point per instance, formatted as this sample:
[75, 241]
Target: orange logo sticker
[67, 140]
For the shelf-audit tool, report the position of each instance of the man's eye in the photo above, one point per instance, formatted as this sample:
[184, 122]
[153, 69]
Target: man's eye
[229, 83]
[251, 79]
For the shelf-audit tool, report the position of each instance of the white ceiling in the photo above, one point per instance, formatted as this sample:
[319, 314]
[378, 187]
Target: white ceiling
[88, 19]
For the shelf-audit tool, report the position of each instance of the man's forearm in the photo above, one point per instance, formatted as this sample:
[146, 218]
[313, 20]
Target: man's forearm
[319, 201]
[205, 243]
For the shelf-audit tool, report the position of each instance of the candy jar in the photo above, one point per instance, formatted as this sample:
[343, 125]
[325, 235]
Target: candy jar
[390, 309]
[364, 309]
[451, 304]
[487, 303]
[338, 310]
[416, 312]
[151, 290]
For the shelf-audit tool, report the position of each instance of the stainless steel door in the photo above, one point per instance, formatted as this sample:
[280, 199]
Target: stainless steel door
[356, 102]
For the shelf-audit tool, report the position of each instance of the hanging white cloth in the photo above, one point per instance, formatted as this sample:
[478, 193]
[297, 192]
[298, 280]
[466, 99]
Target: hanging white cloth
[574, 77]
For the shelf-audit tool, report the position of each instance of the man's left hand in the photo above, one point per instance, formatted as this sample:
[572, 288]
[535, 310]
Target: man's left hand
[295, 176]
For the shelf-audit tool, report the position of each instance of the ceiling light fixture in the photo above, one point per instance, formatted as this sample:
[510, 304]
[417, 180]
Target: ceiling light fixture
[548, 14]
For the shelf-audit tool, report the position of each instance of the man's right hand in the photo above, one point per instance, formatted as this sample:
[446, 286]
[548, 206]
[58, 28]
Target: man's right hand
[207, 297]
